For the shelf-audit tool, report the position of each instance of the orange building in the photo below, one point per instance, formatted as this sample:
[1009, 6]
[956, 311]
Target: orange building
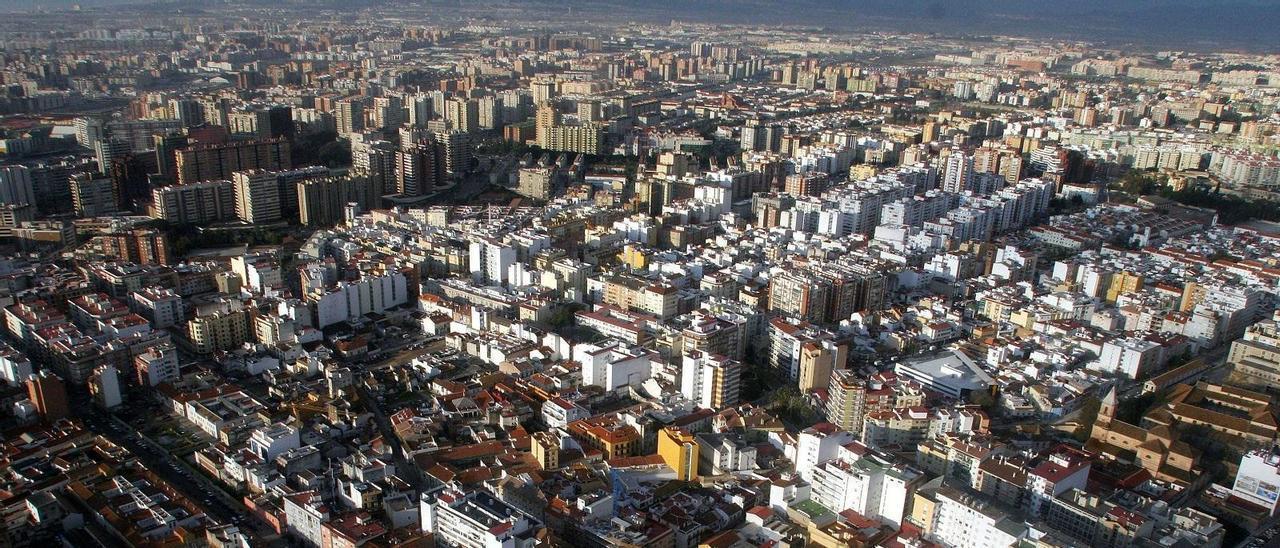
[607, 434]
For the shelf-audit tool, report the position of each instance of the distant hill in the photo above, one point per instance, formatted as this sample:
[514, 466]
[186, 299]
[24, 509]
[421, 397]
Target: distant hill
[48, 5]
[1174, 24]
[1233, 23]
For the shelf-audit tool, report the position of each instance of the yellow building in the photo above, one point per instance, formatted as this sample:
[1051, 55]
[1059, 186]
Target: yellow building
[584, 138]
[1192, 294]
[1159, 449]
[1257, 354]
[546, 450]
[1122, 283]
[863, 171]
[635, 256]
[1231, 414]
[637, 295]
[924, 508]
[932, 131]
[855, 531]
[999, 307]
[1024, 318]
[932, 455]
[223, 330]
[680, 451]
[816, 363]
[607, 434]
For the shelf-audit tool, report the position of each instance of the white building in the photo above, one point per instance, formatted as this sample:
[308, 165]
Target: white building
[951, 372]
[1059, 473]
[963, 521]
[257, 271]
[957, 172]
[614, 365]
[104, 384]
[725, 454]
[161, 306]
[305, 515]
[786, 491]
[257, 196]
[157, 364]
[709, 381]
[1131, 356]
[489, 261]
[818, 444]
[558, 412]
[15, 368]
[871, 484]
[475, 519]
[348, 300]
[1258, 479]
[211, 415]
[270, 441]
[16, 186]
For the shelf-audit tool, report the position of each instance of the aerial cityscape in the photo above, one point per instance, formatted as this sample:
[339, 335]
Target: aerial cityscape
[593, 273]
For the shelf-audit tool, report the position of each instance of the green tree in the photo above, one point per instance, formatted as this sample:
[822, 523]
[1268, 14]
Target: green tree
[1139, 183]
[792, 406]
[307, 145]
[335, 154]
[1230, 209]
[982, 398]
[563, 315]
[1131, 410]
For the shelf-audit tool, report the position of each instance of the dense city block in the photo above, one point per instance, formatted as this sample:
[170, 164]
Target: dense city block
[523, 274]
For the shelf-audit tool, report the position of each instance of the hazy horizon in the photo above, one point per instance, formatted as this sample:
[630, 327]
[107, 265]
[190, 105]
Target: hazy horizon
[1248, 24]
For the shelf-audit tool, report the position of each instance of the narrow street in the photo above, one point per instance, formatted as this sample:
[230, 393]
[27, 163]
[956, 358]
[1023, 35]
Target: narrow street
[405, 467]
[200, 489]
